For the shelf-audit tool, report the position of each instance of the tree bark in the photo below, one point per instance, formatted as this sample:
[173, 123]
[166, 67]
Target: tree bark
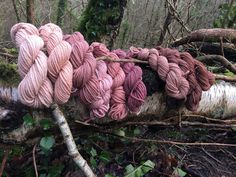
[30, 11]
[61, 11]
[208, 35]
[16, 11]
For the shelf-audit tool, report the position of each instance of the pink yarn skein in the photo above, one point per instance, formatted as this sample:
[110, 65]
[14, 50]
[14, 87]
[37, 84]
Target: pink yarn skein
[134, 87]
[118, 109]
[176, 84]
[60, 70]
[87, 77]
[35, 89]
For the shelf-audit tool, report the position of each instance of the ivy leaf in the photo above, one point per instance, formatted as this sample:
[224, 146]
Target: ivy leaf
[140, 171]
[46, 124]
[180, 172]
[105, 157]
[93, 162]
[93, 152]
[137, 131]
[46, 143]
[28, 120]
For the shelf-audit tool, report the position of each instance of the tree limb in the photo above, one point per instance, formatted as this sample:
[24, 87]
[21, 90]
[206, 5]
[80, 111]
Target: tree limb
[226, 63]
[208, 35]
[70, 143]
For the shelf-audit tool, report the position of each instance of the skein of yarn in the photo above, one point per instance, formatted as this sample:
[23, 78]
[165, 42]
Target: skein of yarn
[35, 89]
[60, 70]
[176, 84]
[118, 108]
[88, 76]
[134, 87]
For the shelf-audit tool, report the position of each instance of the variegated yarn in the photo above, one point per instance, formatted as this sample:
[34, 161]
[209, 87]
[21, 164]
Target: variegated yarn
[35, 89]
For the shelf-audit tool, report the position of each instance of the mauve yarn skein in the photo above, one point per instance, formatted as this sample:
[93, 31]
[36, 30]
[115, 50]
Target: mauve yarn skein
[60, 70]
[118, 109]
[176, 84]
[35, 89]
[134, 87]
[92, 91]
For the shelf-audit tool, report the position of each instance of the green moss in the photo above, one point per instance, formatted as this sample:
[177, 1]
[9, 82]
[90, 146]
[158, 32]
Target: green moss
[99, 18]
[9, 74]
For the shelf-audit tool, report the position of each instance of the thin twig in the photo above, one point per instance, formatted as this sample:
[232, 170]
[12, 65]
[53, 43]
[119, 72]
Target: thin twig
[225, 78]
[122, 60]
[177, 16]
[222, 47]
[226, 63]
[8, 55]
[70, 143]
[34, 160]
[134, 139]
[4, 162]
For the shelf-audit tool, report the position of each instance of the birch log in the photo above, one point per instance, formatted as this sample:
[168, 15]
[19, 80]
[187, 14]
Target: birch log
[218, 102]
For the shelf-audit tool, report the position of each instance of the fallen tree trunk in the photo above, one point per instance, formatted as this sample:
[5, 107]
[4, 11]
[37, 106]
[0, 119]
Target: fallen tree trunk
[208, 35]
[219, 102]
[208, 48]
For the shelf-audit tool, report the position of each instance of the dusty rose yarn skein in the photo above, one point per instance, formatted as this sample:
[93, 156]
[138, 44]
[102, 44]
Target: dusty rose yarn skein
[87, 78]
[134, 87]
[35, 89]
[60, 70]
[118, 109]
[176, 84]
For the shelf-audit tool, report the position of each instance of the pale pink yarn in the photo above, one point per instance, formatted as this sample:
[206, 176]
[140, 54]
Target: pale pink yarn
[176, 84]
[88, 78]
[105, 83]
[35, 89]
[60, 70]
[118, 108]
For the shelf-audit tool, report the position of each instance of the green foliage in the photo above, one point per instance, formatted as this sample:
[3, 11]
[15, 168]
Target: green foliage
[9, 74]
[143, 169]
[180, 172]
[103, 156]
[52, 171]
[62, 4]
[228, 73]
[46, 124]
[227, 16]
[28, 120]
[46, 144]
[99, 18]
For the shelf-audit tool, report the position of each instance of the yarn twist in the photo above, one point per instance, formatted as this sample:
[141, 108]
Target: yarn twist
[134, 87]
[176, 84]
[198, 76]
[35, 89]
[92, 90]
[60, 70]
[118, 109]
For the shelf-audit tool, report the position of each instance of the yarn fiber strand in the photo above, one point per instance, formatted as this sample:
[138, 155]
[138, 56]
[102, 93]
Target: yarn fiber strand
[35, 89]
[60, 70]
[88, 76]
[118, 109]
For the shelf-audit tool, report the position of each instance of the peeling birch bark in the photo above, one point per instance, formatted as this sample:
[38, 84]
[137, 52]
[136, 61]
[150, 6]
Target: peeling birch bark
[218, 102]
[70, 143]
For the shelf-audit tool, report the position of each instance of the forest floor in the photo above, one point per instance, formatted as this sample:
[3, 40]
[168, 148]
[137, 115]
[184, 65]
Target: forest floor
[110, 154]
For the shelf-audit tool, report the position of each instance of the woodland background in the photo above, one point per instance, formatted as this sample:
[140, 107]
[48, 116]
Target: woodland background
[115, 150]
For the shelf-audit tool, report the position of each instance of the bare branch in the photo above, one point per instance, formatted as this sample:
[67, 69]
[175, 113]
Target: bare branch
[70, 143]
[226, 63]
[208, 35]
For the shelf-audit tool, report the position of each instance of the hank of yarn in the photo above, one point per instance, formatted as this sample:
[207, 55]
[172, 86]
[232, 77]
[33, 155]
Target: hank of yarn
[60, 70]
[88, 76]
[118, 109]
[35, 89]
[134, 87]
[176, 84]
